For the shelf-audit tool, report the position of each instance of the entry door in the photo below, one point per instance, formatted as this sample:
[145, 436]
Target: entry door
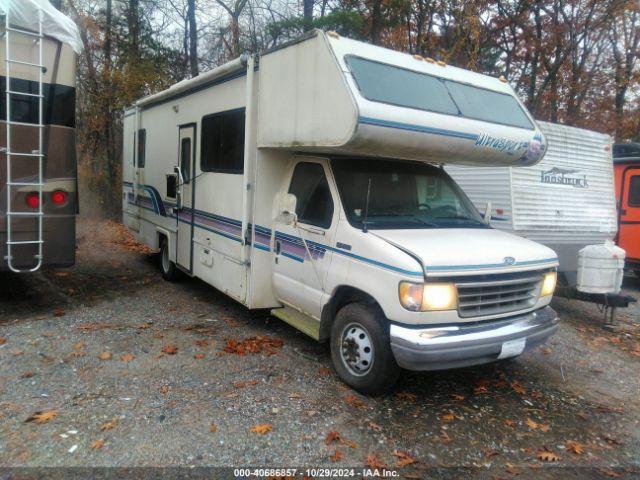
[186, 187]
[301, 258]
[629, 229]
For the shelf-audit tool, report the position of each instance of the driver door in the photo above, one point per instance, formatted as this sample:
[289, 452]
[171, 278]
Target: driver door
[301, 257]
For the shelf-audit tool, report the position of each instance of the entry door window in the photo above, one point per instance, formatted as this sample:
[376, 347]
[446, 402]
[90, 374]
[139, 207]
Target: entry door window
[634, 191]
[314, 203]
[185, 159]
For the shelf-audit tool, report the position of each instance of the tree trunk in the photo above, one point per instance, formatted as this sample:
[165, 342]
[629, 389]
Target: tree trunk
[376, 22]
[193, 38]
[308, 15]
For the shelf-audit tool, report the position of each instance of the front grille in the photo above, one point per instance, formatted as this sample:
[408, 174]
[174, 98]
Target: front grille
[496, 294]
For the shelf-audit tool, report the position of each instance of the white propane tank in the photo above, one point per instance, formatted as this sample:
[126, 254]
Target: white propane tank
[600, 268]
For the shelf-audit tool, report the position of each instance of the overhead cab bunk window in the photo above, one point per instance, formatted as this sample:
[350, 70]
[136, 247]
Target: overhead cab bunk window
[380, 82]
[223, 142]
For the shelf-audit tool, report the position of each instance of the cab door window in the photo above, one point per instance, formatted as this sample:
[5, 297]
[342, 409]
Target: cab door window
[314, 203]
[634, 191]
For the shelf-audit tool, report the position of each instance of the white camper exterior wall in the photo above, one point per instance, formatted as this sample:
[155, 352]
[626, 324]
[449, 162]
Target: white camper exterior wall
[567, 215]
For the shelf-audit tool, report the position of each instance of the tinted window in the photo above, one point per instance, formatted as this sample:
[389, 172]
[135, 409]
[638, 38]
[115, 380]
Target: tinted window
[314, 203]
[223, 142]
[486, 105]
[384, 83]
[142, 147]
[634, 191]
[387, 84]
[185, 159]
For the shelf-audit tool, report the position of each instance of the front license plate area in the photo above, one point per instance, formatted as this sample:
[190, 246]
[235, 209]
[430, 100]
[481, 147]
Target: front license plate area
[512, 348]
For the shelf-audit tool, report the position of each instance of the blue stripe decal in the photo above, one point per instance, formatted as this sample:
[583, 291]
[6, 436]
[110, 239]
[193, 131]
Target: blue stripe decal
[416, 128]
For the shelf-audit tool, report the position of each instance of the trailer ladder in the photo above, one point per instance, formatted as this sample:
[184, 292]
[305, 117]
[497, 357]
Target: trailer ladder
[13, 214]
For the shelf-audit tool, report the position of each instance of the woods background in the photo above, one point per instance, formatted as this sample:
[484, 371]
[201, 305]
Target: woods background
[571, 61]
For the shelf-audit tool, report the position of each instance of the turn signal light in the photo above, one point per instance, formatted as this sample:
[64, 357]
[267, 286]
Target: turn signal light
[33, 200]
[59, 197]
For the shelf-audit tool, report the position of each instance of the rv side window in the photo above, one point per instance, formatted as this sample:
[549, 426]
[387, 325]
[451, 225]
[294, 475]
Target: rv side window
[142, 147]
[223, 142]
[185, 159]
[634, 191]
[314, 203]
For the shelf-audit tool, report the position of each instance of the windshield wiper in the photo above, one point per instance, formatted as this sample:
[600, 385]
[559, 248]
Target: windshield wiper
[460, 217]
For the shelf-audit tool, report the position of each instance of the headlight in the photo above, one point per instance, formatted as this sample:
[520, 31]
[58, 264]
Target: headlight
[548, 284]
[429, 296]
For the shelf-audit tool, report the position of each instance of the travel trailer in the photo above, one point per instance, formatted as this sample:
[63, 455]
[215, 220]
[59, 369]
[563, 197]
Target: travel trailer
[308, 181]
[38, 202]
[566, 201]
[626, 158]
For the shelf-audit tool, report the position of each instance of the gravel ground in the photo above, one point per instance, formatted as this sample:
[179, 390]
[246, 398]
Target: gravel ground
[133, 371]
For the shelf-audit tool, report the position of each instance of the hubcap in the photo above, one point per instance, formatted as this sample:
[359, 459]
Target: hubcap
[165, 259]
[356, 349]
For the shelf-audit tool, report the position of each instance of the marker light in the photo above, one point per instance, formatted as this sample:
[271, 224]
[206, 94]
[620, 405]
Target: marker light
[59, 197]
[33, 200]
[548, 284]
[428, 297]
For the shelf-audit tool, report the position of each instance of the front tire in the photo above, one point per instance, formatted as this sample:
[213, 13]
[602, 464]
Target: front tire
[361, 350]
[167, 267]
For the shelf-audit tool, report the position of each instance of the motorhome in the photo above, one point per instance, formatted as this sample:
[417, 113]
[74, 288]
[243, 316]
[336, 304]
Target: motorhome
[566, 201]
[38, 197]
[307, 180]
[626, 157]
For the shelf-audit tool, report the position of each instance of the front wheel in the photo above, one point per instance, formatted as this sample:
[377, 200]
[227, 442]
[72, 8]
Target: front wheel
[361, 350]
[167, 267]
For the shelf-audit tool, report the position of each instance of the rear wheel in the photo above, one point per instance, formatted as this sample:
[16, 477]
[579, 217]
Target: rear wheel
[361, 351]
[167, 267]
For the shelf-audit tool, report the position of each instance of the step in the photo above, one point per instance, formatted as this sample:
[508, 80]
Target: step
[306, 324]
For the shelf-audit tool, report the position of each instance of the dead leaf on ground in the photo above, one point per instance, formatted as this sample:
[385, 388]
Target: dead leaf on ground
[170, 349]
[447, 417]
[355, 402]
[482, 386]
[444, 436]
[97, 445]
[574, 447]
[127, 357]
[510, 423]
[42, 417]
[457, 398]
[518, 388]
[17, 353]
[337, 456]
[262, 428]
[105, 356]
[332, 436]
[491, 452]
[374, 426]
[324, 371]
[374, 462]
[164, 389]
[199, 356]
[612, 441]
[27, 375]
[546, 455]
[202, 343]
[531, 424]
[109, 425]
[213, 428]
[404, 458]
[58, 313]
[144, 326]
[404, 395]
[3, 341]
[512, 469]
[253, 345]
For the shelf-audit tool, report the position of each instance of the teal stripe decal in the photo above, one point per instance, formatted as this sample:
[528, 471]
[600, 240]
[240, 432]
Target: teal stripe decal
[416, 128]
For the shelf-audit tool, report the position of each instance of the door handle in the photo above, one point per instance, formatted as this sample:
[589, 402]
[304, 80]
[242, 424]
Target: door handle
[278, 247]
[623, 212]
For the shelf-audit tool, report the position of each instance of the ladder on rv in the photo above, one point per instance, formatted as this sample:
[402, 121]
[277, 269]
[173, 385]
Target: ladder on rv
[12, 212]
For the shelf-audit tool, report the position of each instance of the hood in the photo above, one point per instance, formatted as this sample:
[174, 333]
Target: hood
[462, 251]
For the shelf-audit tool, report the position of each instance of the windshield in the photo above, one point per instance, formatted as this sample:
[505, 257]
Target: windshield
[402, 195]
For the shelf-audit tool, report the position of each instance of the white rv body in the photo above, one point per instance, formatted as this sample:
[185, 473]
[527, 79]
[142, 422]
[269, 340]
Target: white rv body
[232, 226]
[566, 201]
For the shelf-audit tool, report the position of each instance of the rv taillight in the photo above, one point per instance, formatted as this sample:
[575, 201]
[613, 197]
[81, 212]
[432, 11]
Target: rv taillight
[33, 200]
[59, 197]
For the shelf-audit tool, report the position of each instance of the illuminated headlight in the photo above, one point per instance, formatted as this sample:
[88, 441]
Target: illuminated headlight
[548, 284]
[429, 296]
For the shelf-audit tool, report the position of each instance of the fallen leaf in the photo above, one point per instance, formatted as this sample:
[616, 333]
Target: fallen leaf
[17, 353]
[58, 313]
[544, 428]
[77, 346]
[202, 343]
[61, 274]
[164, 389]
[324, 371]
[332, 436]
[512, 469]
[144, 326]
[519, 389]
[105, 356]
[510, 423]
[447, 417]
[109, 425]
[127, 357]
[27, 375]
[170, 349]
[374, 426]
[547, 455]
[349, 443]
[295, 395]
[457, 398]
[482, 386]
[97, 445]
[262, 428]
[3, 341]
[337, 456]
[574, 447]
[404, 458]
[444, 436]
[546, 350]
[491, 452]
[531, 424]
[253, 345]
[213, 428]
[374, 462]
[199, 356]
[239, 384]
[42, 417]
[612, 441]
[355, 402]
[406, 396]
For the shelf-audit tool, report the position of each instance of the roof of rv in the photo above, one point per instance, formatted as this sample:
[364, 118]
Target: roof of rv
[55, 24]
[626, 151]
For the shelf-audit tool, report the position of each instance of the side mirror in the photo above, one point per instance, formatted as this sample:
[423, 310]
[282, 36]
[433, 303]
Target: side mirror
[487, 213]
[284, 208]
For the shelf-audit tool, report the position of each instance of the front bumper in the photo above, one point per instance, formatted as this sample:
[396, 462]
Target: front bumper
[439, 348]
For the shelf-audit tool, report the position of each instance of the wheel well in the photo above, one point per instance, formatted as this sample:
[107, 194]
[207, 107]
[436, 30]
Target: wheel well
[342, 296]
[161, 239]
